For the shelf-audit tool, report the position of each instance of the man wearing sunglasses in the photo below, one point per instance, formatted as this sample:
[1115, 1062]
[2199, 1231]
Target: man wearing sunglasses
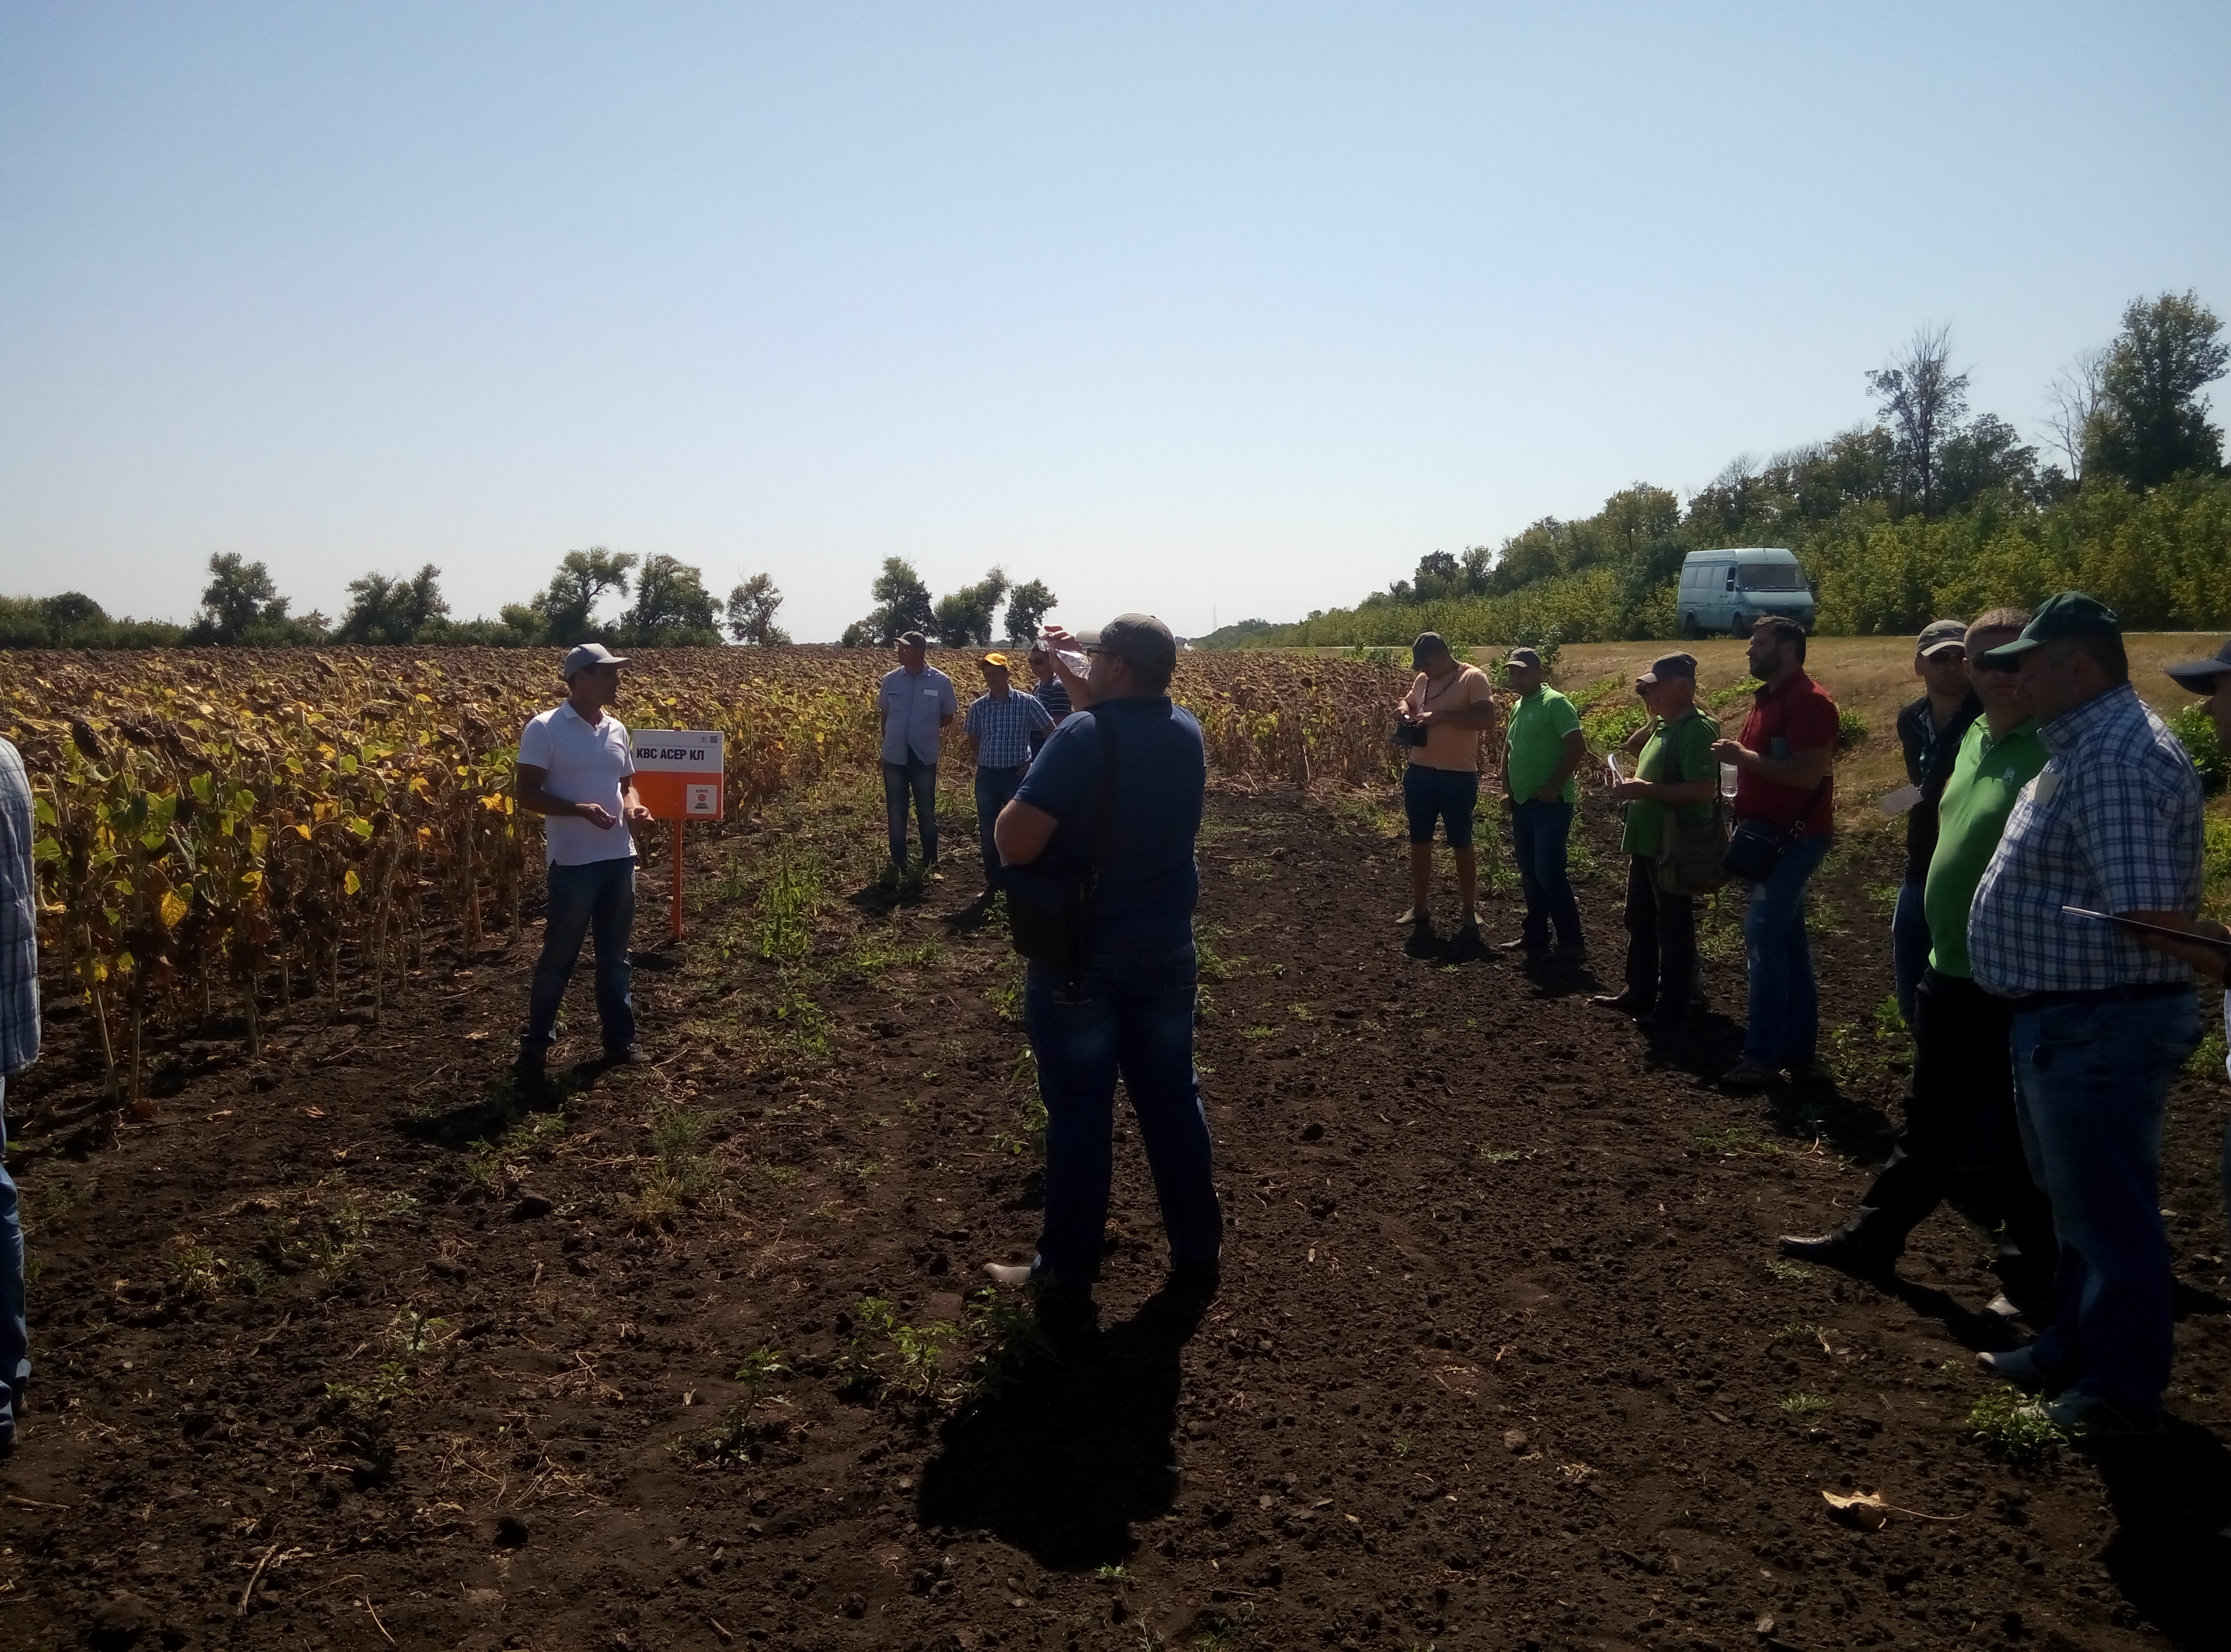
[1963, 1068]
[1929, 730]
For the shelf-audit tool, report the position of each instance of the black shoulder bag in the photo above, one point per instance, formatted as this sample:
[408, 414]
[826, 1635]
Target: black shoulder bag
[1754, 846]
[1049, 907]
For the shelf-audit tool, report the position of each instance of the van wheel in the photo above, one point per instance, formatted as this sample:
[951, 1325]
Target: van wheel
[1742, 627]
[1689, 631]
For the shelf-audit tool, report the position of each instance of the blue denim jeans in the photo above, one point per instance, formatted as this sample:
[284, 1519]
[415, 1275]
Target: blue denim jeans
[14, 1328]
[596, 899]
[917, 779]
[1909, 946]
[2091, 1085]
[1785, 1004]
[995, 787]
[1539, 833]
[1132, 1015]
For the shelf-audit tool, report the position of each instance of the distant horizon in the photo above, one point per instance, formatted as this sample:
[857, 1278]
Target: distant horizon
[1205, 311]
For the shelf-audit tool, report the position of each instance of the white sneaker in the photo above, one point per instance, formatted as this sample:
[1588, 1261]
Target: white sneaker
[1011, 1274]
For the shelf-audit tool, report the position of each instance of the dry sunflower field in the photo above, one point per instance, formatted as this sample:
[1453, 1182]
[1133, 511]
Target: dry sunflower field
[219, 831]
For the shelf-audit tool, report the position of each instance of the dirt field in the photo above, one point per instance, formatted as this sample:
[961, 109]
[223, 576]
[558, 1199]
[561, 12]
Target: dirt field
[355, 1346]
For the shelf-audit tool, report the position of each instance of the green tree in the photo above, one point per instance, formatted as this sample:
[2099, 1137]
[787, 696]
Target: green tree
[241, 604]
[382, 610]
[1027, 606]
[568, 605]
[2152, 419]
[672, 608]
[750, 613]
[963, 619]
[902, 604]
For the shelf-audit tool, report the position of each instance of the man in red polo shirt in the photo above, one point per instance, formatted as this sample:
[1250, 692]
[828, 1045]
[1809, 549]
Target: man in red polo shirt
[1785, 760]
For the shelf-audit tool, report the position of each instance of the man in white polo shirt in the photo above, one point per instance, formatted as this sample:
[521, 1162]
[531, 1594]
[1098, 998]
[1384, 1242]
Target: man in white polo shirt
[577, 770]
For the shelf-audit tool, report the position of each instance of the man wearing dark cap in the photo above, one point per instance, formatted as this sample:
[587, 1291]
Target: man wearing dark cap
[1673, 787]
[1130, 1009]
[1001, 725]
[1543, 751]
[1449, 706]
[1962, 1082]
[915, 702]
[2101, 1023]
[1929, 731]
[2212, 678]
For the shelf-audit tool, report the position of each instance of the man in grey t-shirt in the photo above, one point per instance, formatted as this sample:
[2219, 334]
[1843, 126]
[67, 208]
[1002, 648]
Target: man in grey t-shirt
[915, 702]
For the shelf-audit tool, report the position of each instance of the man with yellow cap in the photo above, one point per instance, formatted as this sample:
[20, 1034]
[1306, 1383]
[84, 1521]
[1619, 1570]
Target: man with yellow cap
[1000, 725]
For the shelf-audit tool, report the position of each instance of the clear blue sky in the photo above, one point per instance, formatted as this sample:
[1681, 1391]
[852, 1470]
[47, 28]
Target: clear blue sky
[1196, 308]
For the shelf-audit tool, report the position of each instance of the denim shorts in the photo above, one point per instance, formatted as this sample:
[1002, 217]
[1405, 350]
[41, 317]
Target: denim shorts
[1448, 795]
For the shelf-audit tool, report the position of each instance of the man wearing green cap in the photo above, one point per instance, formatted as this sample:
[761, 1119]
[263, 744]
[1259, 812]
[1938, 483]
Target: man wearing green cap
[2101, 1022]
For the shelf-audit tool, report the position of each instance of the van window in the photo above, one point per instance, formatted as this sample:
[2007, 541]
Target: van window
[1731, 576]
[1773, 576]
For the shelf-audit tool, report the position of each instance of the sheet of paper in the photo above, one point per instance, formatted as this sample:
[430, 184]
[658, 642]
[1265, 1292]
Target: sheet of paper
[1899, 801]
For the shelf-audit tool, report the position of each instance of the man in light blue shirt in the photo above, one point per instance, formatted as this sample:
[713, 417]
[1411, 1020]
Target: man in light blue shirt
[19, 1047]
[915, 702]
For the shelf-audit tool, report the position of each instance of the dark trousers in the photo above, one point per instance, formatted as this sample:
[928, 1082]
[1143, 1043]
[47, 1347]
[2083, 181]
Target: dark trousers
[593, 901]
[1539, 833]
[1962, 1083]
[1131, 1015]
[915, 779]
[1661, 940]
[995, 787]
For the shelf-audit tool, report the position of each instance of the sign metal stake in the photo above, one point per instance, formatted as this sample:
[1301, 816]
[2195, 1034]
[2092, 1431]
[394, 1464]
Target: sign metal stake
[680, 774]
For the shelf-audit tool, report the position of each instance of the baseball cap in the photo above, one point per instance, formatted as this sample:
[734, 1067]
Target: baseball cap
[587, 654]
[1523, 656]
[1141, 638]
[912, 639]
[2198, 675]
[1940, 634]
[1667, 665]
[1000, 660]
[2070, 614]
[1429, 645]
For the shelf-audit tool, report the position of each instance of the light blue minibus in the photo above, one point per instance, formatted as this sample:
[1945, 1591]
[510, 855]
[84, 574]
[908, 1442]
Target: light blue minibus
[1730, 590]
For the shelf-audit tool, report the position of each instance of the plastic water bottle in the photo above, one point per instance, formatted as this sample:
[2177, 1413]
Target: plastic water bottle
[1727, 779]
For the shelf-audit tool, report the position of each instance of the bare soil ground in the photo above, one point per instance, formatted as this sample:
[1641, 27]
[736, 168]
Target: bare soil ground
[359, 1347]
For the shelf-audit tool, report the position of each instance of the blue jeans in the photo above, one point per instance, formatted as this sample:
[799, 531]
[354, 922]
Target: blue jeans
[1132, 1014]
[1539, 833]
[915, 778]
[2091, 1085]
[597, 898]
[1785, 1004]
[1909, 946]
[14, 1328]
[994, 787]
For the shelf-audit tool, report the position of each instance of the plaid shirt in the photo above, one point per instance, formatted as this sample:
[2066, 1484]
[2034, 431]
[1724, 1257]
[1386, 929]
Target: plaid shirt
[2112, 824]
[19, 919]
[1003, 727]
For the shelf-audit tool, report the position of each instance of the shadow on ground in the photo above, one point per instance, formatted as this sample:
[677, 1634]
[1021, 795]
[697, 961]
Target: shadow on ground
[2170, 1555]
[1065, 1466]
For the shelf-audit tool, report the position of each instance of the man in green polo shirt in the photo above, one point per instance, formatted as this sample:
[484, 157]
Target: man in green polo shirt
[1963, 1064]
[1676, 774]
[1542, 752]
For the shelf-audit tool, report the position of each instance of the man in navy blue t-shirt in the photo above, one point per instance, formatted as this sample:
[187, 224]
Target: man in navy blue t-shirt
[1132, 1008]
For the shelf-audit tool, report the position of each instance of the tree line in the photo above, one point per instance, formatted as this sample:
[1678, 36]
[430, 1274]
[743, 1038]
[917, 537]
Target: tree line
[241, 606]
[961, 619]
[1927, 509]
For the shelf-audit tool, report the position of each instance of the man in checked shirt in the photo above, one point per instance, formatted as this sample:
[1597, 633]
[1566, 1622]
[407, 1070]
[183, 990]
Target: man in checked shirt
[2101, 1023]
[1000, 725]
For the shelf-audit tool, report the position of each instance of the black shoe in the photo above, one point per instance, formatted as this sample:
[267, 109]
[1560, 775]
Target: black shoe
[630, 1056]
[533, 1065]
[1842, 1253]
[1664, 1018]
[1627, 1002]
[1067, 1319]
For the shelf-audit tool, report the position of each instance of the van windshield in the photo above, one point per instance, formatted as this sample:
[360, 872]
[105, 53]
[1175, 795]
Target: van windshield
[1772, 576]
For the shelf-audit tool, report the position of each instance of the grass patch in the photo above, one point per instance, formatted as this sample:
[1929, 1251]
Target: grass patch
[1803, 1405]
[2006, 1420]
[1789, 1273]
